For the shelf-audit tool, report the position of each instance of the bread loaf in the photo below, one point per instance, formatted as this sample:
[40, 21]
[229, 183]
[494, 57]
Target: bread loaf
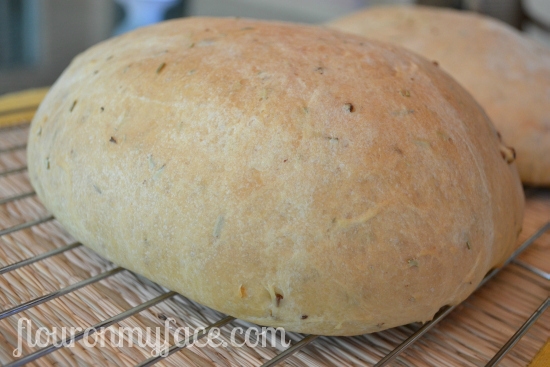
[507, 73]
[284, 174]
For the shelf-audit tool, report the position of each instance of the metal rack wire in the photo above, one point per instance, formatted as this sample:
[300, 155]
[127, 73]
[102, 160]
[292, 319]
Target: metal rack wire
[296, 347]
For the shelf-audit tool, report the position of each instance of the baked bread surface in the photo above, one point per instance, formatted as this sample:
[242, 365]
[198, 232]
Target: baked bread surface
[284, 174]
[507, 73]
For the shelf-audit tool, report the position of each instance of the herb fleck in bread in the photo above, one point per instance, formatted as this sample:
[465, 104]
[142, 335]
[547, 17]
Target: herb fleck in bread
[284, 174]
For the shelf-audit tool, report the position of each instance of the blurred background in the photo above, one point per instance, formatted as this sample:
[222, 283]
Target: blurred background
[38, 38]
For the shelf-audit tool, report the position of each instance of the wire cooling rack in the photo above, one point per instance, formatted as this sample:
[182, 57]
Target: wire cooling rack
[52, 281]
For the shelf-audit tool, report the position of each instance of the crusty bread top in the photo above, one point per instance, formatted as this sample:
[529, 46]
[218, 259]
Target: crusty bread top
[506, 72]
[288, 175]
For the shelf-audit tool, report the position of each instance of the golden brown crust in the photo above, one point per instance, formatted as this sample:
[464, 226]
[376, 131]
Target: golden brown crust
[507, 73]
[287, 175]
